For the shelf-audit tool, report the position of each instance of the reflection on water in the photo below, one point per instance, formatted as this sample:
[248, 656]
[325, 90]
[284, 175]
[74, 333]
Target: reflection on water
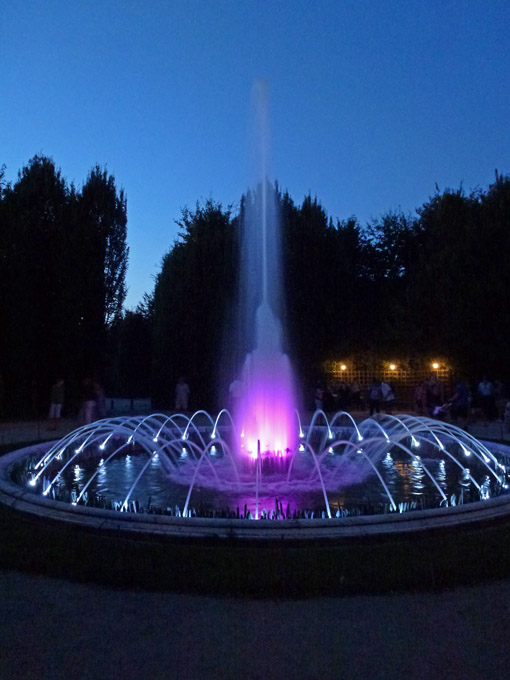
[405, 477]
[417, 475]
[441, 475]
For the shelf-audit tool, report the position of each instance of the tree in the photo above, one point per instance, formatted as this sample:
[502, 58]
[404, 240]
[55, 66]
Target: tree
[390, 254]
[101, 257]
[63, 259]
[4, 288]
[192, 298]
[131, 364]
[35, 230]
[492, 278]
[447, 293]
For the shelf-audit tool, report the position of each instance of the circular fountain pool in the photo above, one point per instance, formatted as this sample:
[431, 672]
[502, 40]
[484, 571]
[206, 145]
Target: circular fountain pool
[175, 470]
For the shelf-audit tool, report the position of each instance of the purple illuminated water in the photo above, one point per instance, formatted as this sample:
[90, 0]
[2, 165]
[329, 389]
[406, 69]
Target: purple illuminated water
[266, 413]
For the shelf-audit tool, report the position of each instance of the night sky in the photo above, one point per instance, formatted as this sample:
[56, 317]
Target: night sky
[373, 102]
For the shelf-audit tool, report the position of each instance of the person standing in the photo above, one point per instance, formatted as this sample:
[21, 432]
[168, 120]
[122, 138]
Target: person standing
[318, 398]
[235, 392]
[374, 396]
[420, 397]
[182, 392]
[100, 400]
[56, 401]
[355, 395]
[500, 399]
[343, 396]
[388, 397]
[88, 395]
[459, 404]
[434, 400]
[487, 399]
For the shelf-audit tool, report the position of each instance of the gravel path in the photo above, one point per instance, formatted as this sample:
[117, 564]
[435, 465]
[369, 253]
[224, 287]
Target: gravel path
[55, 629]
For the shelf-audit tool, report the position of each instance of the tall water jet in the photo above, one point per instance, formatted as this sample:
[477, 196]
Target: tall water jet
[266, 412]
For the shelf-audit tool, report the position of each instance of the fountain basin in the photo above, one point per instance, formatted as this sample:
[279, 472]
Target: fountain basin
[22, 500]
[375, 460]
[437, 548]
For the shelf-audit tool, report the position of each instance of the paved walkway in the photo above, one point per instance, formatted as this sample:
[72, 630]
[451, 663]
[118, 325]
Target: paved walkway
[54, 629]
[19, 432]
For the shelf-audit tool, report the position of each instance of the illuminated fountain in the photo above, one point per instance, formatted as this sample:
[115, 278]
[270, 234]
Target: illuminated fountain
[260, 462]
[189, 467]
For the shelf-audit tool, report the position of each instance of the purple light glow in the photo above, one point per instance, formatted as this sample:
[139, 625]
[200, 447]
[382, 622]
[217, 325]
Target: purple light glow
[267, 409]
[266, 413]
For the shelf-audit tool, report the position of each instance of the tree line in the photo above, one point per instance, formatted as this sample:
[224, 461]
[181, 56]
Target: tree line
[436, 283]
[433, 283]
[63, 261]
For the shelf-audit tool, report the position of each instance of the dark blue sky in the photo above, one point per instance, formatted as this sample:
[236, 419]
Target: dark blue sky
[373, 102]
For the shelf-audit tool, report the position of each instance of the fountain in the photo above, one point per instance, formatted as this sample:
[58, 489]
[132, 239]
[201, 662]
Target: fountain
[191, 467]
[261, 462]
[266, 411]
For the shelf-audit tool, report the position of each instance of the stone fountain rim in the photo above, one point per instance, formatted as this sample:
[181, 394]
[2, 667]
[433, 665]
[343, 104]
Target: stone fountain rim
[24, 501]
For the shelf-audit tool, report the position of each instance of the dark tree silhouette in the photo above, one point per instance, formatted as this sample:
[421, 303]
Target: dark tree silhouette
[437, 282]
[193, 292]
[63, 259]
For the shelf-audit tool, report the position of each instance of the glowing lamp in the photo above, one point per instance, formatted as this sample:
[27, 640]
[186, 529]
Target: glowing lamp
[392, 367]
[343, 367]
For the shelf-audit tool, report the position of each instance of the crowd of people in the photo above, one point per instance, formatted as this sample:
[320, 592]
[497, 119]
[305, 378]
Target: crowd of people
[92, 402]
[379, 395]
[485, 400]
